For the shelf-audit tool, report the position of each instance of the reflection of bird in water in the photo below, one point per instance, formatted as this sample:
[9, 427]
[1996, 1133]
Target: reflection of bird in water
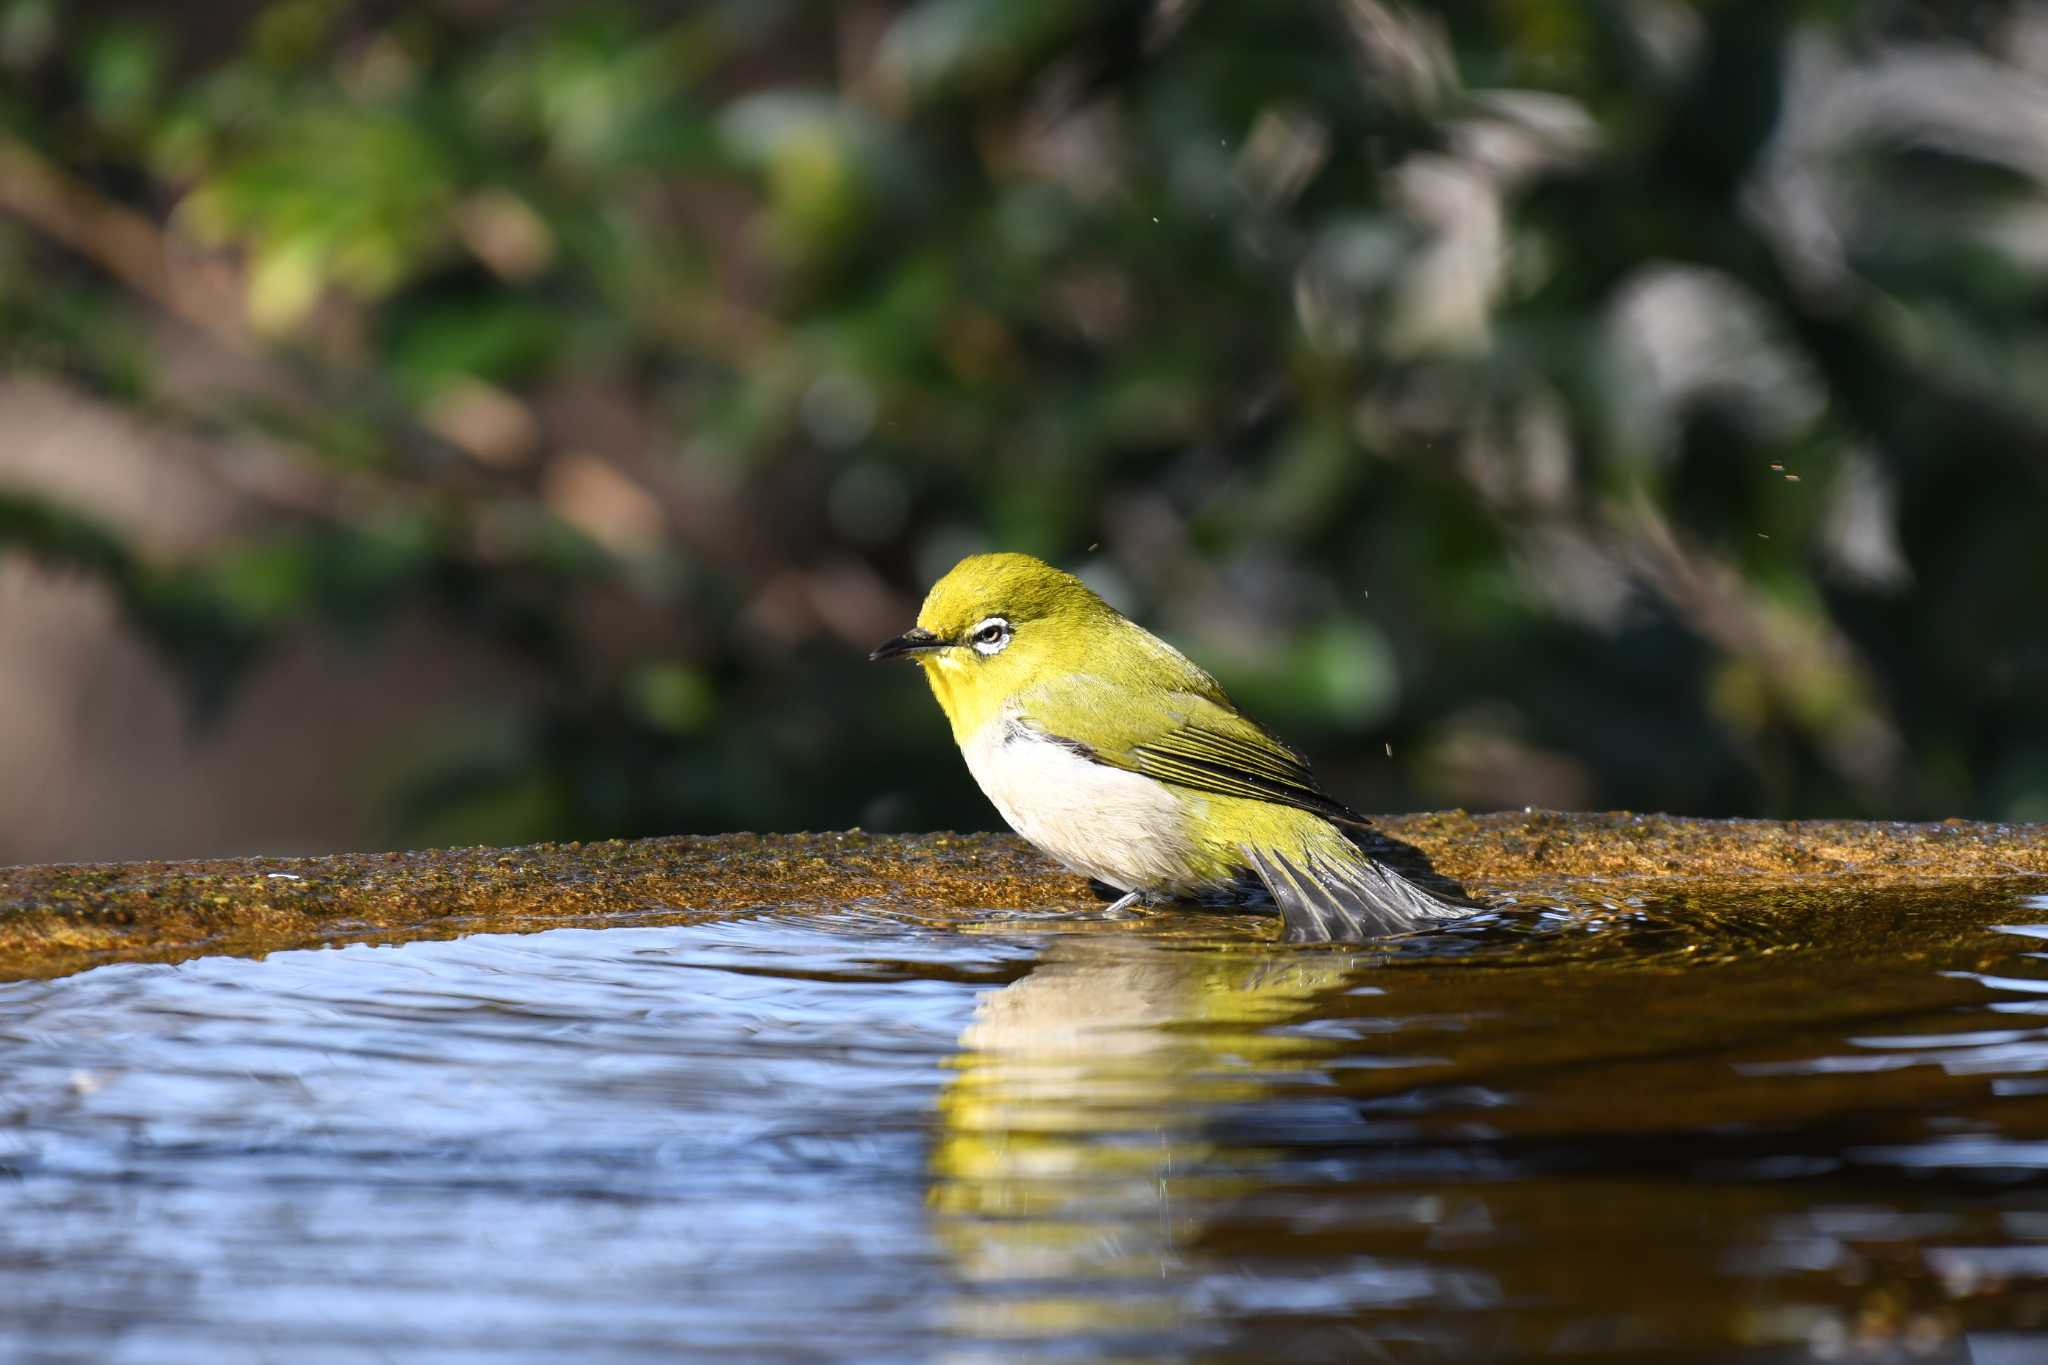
[1071, 1155]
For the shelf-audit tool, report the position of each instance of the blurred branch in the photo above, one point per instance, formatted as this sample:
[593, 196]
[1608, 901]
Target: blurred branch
[1806, 668]
[64, 540]
[121, 242]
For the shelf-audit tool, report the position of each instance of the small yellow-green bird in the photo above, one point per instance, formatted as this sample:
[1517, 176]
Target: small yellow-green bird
[1112, 751]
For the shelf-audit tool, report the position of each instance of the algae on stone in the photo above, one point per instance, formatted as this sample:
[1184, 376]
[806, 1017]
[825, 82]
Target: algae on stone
[55, 920]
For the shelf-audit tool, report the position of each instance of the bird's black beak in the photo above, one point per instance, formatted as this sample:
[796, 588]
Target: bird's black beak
[909, 642]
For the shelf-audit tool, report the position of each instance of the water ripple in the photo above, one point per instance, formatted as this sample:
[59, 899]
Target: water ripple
[1559, 1130]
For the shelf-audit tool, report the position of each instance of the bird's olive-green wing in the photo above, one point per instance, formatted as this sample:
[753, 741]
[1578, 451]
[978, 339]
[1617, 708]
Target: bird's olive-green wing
[1255, 765]
[1188, 739]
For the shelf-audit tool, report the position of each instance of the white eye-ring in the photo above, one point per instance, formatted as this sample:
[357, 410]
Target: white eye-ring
[991, 635]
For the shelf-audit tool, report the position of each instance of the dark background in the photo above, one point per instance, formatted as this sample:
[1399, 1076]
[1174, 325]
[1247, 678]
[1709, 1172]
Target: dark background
[468, 420]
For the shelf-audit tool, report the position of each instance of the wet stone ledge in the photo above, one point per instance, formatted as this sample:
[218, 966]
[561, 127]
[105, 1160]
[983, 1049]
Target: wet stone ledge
[60, 919]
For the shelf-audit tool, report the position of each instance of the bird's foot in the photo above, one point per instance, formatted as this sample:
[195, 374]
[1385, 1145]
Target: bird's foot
[1116, 908]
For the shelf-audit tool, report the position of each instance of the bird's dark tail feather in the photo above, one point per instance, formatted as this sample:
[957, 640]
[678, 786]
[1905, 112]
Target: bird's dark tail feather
[1341, 900]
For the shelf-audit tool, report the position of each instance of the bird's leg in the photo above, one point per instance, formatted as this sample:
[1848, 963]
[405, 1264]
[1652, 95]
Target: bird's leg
[1124, 902]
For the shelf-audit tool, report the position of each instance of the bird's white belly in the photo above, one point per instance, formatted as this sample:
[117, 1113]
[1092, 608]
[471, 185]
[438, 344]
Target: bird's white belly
[1119, 827]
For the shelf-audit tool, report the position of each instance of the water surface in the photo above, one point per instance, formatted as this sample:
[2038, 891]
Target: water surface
[1773, 1128]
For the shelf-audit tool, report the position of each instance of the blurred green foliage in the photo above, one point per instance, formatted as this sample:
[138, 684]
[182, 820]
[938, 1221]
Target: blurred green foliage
[1616, 403]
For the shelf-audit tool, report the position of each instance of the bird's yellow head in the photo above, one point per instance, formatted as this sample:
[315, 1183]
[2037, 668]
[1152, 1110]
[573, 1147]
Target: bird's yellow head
[996, 625]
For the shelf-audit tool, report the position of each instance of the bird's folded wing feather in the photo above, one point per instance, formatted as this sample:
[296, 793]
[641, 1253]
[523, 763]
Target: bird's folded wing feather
[1192, 740]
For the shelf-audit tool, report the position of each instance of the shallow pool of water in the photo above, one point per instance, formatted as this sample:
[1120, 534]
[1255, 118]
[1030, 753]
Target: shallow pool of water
[1777, 1127]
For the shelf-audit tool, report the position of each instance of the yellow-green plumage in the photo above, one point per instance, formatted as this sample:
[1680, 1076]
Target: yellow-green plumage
[1115, 753]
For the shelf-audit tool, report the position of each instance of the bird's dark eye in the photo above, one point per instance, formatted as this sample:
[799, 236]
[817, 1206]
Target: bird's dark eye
[989, 635]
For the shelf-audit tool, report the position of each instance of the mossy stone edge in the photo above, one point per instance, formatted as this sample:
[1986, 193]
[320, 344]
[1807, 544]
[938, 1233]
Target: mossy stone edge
[63, 918]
